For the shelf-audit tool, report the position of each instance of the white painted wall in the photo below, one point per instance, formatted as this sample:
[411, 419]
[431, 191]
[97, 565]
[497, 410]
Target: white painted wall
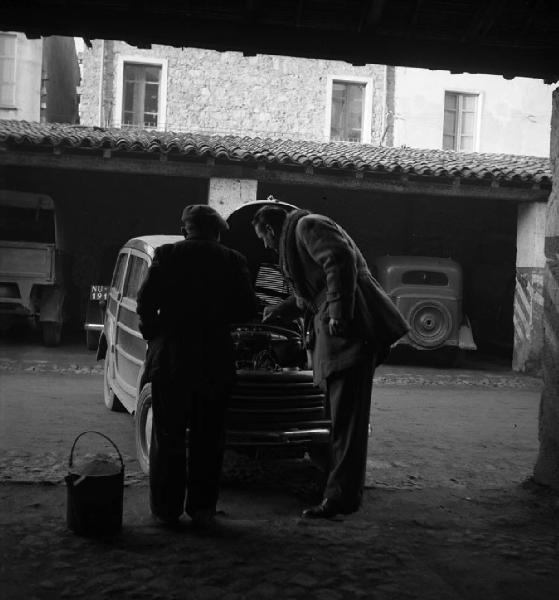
[226, 195]
[514, 115]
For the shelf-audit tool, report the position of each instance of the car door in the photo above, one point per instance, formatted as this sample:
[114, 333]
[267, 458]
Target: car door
[130, 347]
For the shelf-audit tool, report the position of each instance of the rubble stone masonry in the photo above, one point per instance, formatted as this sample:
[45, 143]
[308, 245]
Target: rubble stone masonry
[228, 93]
[547, 466]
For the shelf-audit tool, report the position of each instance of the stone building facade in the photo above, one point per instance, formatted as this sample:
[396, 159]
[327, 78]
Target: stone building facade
[213, 92]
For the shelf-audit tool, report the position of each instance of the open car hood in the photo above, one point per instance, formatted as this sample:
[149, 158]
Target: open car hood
[241, 236]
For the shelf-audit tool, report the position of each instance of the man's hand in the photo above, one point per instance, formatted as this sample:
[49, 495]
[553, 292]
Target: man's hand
[269, 313]
[337, 327]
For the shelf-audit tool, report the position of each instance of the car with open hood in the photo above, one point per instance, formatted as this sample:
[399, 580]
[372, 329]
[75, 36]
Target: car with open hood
[274, 403]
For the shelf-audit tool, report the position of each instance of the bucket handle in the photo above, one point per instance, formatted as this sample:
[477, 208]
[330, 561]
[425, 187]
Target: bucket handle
[71, 458]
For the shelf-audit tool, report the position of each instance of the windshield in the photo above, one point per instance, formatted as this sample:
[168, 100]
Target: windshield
[26, 225]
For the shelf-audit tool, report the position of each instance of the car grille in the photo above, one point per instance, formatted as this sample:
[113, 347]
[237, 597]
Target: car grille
[276, 401]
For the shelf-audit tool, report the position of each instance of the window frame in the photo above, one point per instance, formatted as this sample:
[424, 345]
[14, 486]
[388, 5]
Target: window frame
[477, 117]
[134, 256]
[367, 105]
[13, 105]
[148, 61]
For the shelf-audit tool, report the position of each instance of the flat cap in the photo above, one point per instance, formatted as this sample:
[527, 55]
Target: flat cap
[202, 215]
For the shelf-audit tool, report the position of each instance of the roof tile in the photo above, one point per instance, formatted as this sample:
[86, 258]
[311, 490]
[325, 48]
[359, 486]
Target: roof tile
[332, 155]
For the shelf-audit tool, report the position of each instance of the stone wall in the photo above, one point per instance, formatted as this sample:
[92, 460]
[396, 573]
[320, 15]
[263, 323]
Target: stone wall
[227, 93]
[547, 466]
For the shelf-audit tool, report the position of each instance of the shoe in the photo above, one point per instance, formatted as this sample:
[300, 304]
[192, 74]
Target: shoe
[203, 519]
[327, 509]
[168, 522]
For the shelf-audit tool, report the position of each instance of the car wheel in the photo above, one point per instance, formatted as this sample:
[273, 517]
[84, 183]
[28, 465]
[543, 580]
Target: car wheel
[92, 339]
[144, 424]
[111, 400]
[52, 333]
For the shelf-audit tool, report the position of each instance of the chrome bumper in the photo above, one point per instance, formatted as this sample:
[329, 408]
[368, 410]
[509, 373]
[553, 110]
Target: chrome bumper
[277, 438]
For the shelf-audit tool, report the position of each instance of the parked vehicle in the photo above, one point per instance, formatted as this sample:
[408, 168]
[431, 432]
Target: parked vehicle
[274, 402]
[31, 264]
[95, 314]
[428, 292]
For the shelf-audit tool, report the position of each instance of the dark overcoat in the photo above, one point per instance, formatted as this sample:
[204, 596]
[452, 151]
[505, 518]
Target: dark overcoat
[194, 290]
[329, 273]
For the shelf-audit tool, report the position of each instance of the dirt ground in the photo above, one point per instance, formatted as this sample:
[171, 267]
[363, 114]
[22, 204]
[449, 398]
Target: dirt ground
[449, 511]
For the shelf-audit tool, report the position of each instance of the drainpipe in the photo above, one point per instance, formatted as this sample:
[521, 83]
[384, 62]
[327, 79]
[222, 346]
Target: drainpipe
[101, 77]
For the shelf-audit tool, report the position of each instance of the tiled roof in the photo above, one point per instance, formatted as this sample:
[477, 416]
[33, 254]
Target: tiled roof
[345, 156]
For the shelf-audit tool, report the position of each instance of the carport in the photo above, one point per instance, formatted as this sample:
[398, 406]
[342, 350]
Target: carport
[485, 211]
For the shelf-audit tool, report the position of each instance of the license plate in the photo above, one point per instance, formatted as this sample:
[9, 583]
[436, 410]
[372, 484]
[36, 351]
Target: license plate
[99, 292]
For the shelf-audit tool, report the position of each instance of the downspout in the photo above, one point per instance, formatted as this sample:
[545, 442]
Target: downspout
[101, 77]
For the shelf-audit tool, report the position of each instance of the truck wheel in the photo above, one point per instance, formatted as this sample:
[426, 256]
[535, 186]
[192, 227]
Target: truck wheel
[92, 339]
[144, 423]
[111, 400]
[52, 333]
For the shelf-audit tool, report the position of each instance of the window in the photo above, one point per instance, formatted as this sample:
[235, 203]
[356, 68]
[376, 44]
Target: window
[140, 101]
[118, 275]
[460, 118]
[349, 111]
[137, 270]
[424, 278]
[7, 69]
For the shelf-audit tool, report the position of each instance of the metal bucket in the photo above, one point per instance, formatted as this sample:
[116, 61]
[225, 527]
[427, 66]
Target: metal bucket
[95, 494]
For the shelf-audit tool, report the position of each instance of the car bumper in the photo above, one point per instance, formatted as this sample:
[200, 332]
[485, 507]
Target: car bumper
[277, 438]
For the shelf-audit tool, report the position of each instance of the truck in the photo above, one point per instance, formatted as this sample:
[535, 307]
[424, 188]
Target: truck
[31, 264]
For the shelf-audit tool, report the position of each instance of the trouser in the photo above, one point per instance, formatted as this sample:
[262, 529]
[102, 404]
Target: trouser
[202, 410]
[349, 397]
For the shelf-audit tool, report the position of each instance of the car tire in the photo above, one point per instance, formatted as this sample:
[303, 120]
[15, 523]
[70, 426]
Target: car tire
[92, 339]
[111, 400]
[52, 333]
[144, 422]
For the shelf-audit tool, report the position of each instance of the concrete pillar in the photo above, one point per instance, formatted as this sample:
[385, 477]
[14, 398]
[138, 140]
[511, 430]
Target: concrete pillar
[546, 470]
[528, 297]
[225, 195]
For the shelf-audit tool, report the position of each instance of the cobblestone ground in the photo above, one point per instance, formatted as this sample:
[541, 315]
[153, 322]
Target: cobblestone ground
[425, 544]
[420, 534]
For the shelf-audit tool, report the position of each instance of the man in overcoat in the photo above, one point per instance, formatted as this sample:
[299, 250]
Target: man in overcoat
[354, 323]
[194, 290]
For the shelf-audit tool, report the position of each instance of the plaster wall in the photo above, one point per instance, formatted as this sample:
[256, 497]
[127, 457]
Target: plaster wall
[28, 81]
[228, 93]
[225, 195]
[528, 297]
[546, 470]
[514, 115]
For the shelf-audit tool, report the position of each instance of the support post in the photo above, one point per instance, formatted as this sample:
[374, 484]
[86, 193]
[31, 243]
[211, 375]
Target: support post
[528, 296]
[546, 470]
[225, 195]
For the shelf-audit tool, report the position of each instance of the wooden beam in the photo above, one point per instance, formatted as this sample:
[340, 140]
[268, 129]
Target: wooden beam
[369, 182]
[484, 19]
[513, 55]
[372, 15]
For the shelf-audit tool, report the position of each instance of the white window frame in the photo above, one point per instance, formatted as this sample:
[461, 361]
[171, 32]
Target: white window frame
[141, 60]
[13, 105]
[367, 104]
[477, 124]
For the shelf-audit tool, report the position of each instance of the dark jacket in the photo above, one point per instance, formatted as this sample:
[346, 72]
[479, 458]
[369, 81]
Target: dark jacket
[330, 275]
[194, 290]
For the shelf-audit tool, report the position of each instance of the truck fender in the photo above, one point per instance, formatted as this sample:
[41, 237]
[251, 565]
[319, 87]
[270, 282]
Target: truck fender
[50, 307]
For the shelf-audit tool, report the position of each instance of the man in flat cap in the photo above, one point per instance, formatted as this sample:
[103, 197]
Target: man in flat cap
[194, 290]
